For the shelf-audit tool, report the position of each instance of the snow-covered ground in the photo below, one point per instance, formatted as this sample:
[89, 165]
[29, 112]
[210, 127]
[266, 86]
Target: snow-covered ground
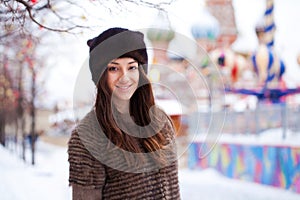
[48, 179]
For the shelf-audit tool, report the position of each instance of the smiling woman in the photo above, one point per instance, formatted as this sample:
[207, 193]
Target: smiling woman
[125, 147]
[122, 78]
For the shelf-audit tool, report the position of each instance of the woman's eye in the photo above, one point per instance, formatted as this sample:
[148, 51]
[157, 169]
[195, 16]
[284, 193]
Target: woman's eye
[133, 67]
[112, 69]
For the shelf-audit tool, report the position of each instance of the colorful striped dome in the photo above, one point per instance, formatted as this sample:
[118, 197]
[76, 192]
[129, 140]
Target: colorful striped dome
[161, 30]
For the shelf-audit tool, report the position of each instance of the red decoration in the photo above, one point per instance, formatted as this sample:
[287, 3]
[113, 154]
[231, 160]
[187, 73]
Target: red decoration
[234, 72]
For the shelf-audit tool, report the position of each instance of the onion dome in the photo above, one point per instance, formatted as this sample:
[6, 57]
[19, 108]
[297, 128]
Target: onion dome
[268, 66]
[206, 28]
[161, 31]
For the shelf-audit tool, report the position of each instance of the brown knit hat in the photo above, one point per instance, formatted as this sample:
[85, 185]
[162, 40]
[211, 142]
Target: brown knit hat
[116, 43]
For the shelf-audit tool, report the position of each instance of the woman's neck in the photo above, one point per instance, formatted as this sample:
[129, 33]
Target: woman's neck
[122, 106]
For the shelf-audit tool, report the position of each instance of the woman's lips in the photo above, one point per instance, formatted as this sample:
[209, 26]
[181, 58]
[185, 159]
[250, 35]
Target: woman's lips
[123, 87]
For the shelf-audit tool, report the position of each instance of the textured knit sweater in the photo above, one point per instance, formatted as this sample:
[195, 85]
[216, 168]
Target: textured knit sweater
[96, 166]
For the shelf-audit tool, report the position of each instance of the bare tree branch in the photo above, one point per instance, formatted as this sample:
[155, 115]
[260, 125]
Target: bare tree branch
[29, 9]
[15, 13]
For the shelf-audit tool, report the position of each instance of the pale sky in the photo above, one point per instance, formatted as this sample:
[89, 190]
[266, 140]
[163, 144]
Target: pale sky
[182, 14]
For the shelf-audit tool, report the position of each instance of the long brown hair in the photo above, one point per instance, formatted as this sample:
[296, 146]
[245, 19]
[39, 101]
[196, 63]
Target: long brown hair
[140, 104]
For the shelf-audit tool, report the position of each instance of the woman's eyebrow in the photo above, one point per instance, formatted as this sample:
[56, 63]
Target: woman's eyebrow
[132, 62]
[115, 63]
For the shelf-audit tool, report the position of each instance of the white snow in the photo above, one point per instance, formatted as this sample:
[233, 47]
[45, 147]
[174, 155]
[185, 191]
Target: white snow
[48, 179]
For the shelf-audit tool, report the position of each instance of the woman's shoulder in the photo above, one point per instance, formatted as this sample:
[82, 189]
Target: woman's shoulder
[81, 122]
[168, 128]
[88, 120]
[85, 125]
[163, 118]
[85, 169]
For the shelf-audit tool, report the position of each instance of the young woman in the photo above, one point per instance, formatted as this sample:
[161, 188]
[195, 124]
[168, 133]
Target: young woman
[124, 148]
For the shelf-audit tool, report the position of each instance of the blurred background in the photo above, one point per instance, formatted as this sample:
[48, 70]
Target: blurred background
[226, 71]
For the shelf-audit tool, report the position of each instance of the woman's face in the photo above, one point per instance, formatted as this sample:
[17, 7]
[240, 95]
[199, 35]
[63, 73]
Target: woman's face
[123, 77]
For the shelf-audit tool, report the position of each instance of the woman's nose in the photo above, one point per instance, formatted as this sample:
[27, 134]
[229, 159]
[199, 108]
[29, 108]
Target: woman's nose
[124, 76]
